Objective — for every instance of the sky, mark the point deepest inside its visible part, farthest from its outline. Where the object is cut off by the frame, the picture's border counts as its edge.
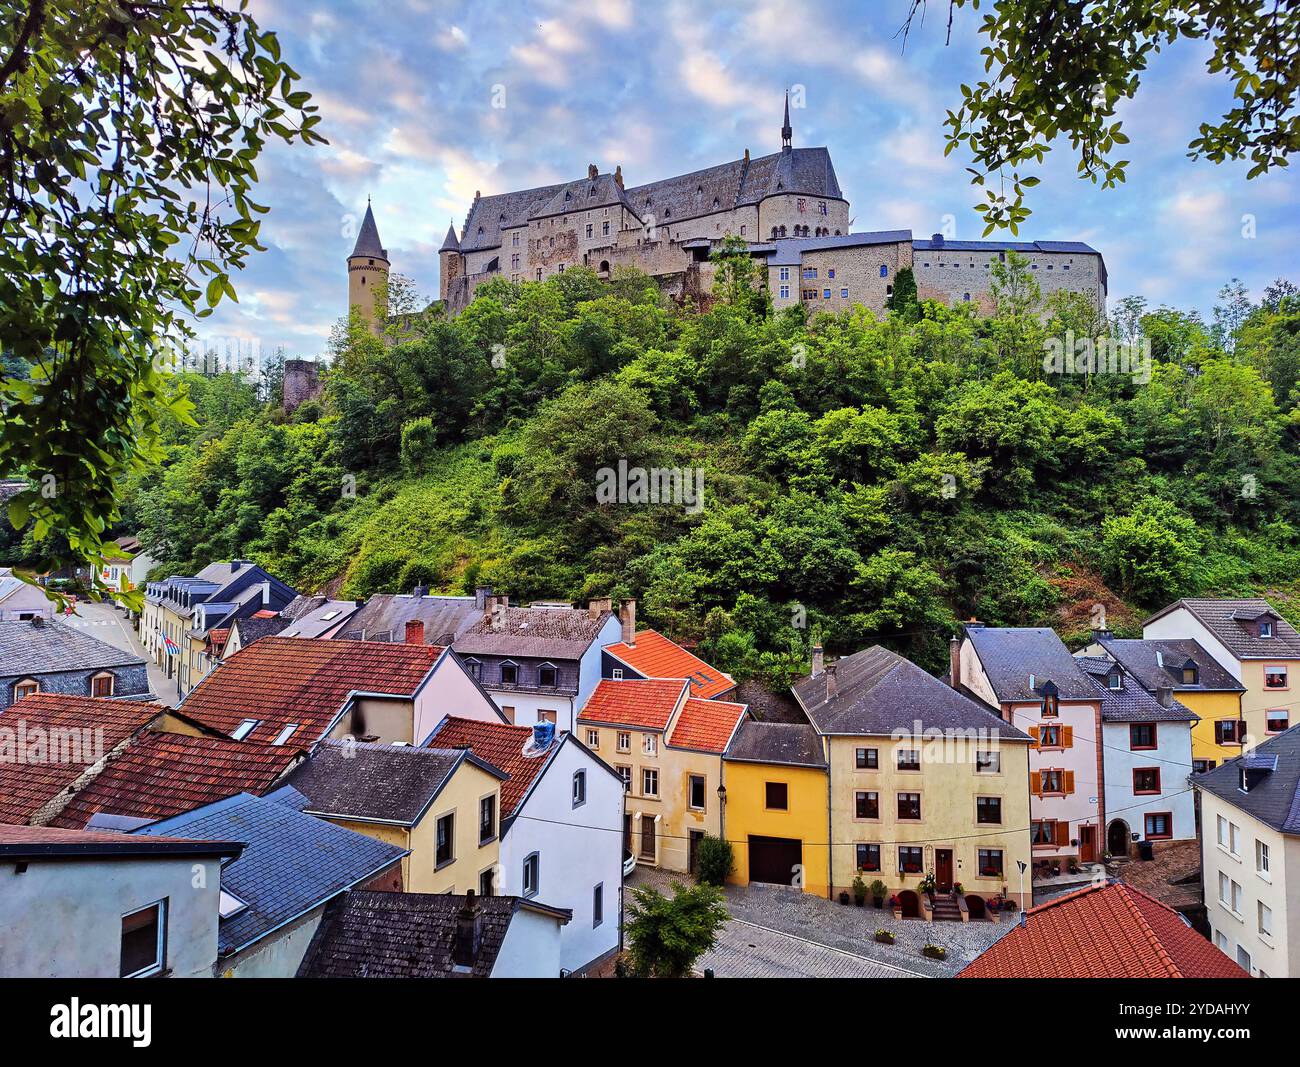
(427, 101)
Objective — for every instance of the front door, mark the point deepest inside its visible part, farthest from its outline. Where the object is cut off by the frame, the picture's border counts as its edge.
(696, 836)
(1087, 843)
(648, 838)
(943, 870)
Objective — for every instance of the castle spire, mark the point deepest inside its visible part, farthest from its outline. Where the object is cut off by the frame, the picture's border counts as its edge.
(450, 243)
(786, 132)
(368, 243)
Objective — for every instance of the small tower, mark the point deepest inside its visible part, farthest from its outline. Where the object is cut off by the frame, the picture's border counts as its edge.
(368, 273)
(448, 262)
(786, 131)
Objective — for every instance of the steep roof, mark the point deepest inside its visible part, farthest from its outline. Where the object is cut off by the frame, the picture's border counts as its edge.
(368, 243)
(539, 633)
(654, 656)
(1232, 622)
(880, 692)
(1108, 931)
(54, 646)
(1132, 703)
(643, 703)
(707, 725)
(501, 745)
(1158, 663)
(383, 783)
(291, 862)
(1011, 655)
(313, 616)
(1275, 799)
(407, 935)
(282, 680)
(42, 842)
(795, 744)
(160, 774)
(450, 242)
(385, 615)
(89, 729)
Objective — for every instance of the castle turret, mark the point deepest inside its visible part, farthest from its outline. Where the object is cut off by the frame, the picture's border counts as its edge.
(787, 132)
(368, 273)
(448, 261)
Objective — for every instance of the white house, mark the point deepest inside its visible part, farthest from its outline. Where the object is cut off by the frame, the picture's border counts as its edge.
(20, 601)
(561, 828)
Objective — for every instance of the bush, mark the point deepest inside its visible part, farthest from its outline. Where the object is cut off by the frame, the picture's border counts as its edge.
(714, 860)
(667, 935)
(419, 441)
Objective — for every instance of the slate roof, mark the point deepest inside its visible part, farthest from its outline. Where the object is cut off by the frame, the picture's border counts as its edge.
(282, 680)
(1009, 655)
(291, 862)
(316, 615)
(8, 583)
(406, 935)
(643, 703)
(655, 656)
(928, 244)
(27, 786)
(706, 725)
(794, 744)
(1140, 659)
(254, 628)
(788, 251)
(54, 646)
(375, 782)
(450, 243)
(1276, 799)
(880, 692)
(161, 774)
(540, 633)
(1109, 931)
(501, 745)
(368, 243)
(1132, 703)
(38, 842)
(1227, 620)
(385, 615)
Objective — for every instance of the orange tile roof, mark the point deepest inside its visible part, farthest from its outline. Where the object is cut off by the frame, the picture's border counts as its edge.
(502, 745)
(161, 774)
(655, 656)
(70, 728)
(1110, 931)
(707, 725)
(646, 703)
(282, 680)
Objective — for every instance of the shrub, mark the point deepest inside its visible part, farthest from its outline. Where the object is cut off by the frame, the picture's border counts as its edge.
(714, 860)
(666, 935)
(419, 441)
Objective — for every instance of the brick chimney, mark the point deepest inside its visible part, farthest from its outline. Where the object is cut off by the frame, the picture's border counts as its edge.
(481, 593)
(627, 616)
(832, 684)
(595, 607)
(818, 660)
(954, 662)
(1164, 695)
(414, 632)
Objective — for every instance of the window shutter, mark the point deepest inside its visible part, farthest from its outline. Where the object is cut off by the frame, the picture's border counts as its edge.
(1033, 732)
(1067, 736)
(1063, 832)
(1069, 781)
(1038, 784)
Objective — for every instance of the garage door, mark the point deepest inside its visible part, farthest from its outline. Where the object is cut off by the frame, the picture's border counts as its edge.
(774, 859)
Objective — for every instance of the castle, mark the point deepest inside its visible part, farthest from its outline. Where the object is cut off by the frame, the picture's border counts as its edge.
(787, 207)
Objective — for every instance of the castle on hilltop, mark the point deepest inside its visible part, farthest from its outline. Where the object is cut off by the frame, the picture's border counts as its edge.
(787, 207)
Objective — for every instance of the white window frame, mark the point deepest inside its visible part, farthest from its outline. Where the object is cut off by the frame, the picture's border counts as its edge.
(240, 732)
(647, 774)
(532, 861)
(579, 791)
(290, 728)
(160, 951)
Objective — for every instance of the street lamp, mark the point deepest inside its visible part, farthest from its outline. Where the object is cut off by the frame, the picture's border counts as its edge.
(1024, 915)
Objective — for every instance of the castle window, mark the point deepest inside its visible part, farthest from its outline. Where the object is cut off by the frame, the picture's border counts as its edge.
(966, 297)
(831, 273)
(785, 274)
(604, 229)
(884, 271)
(590, 229)
(480, 231)
(844, 293)
(826, 294)
(716, 204)
(837, 233)
(785, 292)
(539, 274)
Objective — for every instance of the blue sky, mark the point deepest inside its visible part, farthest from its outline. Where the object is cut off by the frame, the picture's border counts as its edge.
(407, 89)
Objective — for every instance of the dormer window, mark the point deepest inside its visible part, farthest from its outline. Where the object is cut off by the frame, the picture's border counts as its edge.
(475, 668)
(1191, 673)
(1115, 681)
(509, 674)
(1265, 628)
(547, 676)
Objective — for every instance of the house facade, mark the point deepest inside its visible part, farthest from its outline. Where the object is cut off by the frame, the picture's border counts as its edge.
(40, 655)
(20, 602)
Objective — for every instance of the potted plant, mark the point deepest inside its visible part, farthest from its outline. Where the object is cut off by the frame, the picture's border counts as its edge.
(927, 883)
(878, 891)
(893, 903)
(935, 952)
(885, 937)
(844, 897)
(859, 891)
(956, 888)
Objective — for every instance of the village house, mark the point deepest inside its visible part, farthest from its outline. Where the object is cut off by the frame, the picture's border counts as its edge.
(1253, 643)
(243, 632)
(20, 602)
(43, 655)
(561, 828)
(392, 617)
(131, 569)
(649, 654)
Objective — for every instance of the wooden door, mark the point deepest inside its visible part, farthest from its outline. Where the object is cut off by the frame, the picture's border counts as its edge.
(1087, 843)
(943, 870)
(648, 837)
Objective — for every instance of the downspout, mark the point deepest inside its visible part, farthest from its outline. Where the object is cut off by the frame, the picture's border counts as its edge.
(830, 835)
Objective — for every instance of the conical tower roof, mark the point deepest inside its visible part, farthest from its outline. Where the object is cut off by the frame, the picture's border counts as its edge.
(368, 239)
(450, 243)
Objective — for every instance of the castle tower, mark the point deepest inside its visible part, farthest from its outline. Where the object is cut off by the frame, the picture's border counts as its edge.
(368, 273)
(448, 262)
(787, 132)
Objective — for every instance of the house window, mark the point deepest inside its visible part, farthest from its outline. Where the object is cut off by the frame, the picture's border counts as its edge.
(144, 941)
(868, 857)
(785, 292)
(868, 759)
(695, 792)
(617, 674)
(485, 883)
(1189, 675)
(598, 905)
(910, 859)
(909, 759)
(1042, 832)
(27, 687)
(487, 819)
(1051, 706)
(1229, 731)
(579, 788)
(604, 229)
(532, 874)
(1261, 859)
(909, 805)
(1265, 920)
(784, 273)
(509, 674)
(286, 733)
(1235, 904)
(626, 774)
(1051, 781)
(1275, 676)
(1200, 766)
(546, 676)
(988, 810)
(590, 229)
(593, 739)
(1277, 721)
(445, 831)
(1265, 629)
(101, 685)
(867, 805)
(1158, 824)
(989, 862)
(988, 762)
(244, 729)
(474, 667)
(1142, 735)
(508, 712)
(1115, 681)
(649, 744)
(649, 782)
(546, 716)
(776, 796)
(624, 741)
(1146, 780)
(1049, 735)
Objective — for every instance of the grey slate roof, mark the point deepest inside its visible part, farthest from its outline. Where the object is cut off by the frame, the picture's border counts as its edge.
(930, 245)
(450, 243)
(291, 862)
(1275, 799)
(26, 649)
(369, 781)
(880, 692)
(368, 243)
(250, 629)
(546, 633)
(789, 250)
(406, 935)
(316, 616)
(1009, 655)
(776, 742)
(1132, 703)
(1139, 657)
(1229, 620)
(385, 615)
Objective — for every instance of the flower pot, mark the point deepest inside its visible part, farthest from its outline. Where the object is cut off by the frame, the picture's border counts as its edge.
(844, 898)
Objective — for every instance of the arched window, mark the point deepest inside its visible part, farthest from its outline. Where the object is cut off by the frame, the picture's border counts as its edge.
(604, 266)
(102, 684)
(27, 687)
(884, 271)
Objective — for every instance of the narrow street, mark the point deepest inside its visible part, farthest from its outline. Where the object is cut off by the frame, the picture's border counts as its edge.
(107, 623)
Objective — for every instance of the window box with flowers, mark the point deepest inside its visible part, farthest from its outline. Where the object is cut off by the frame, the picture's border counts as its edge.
(885, 937)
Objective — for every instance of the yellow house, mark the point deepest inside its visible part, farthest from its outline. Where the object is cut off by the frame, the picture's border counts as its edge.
(922, 781)
(442, 804)
(776, 805)
(667, 746)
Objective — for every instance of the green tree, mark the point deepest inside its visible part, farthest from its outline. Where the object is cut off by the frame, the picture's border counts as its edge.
(714, 860)
(1151, 552)
(666, 935)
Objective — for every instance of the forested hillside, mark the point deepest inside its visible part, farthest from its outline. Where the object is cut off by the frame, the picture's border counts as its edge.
(863, 480)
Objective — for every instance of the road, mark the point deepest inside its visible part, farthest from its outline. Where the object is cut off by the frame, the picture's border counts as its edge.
(745, 950)
(106, 623)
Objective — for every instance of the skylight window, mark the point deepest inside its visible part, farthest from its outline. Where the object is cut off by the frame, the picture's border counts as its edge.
(244, 729)
(230, 905)
(330, 615)
(285, 733)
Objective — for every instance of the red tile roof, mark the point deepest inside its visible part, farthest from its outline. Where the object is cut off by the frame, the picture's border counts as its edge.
(654, 656)
(707, 725)
(69, 729)
(1110, 931)
(502, 745)
(161, 774)
(646, 703)
(282, 680)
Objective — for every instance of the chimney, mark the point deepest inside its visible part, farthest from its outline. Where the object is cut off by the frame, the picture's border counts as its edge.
(1164, 695)
(832, 686)
(627, 616)
(464, 949)
(618, 175)
(592, 171)
(1102, 635)
(414, 632)
(818, 660)
(595, 607)
(936, 239)
(38, 621)
(420, 591)
(481, 593)
(954, 662)
(235, 564)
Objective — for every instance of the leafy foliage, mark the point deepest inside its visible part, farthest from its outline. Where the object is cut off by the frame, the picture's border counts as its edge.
(714, 860)
(667, 935)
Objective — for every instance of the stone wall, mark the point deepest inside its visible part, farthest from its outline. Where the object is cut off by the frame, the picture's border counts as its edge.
(301, 382)
(954, 276)
(128, 681)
